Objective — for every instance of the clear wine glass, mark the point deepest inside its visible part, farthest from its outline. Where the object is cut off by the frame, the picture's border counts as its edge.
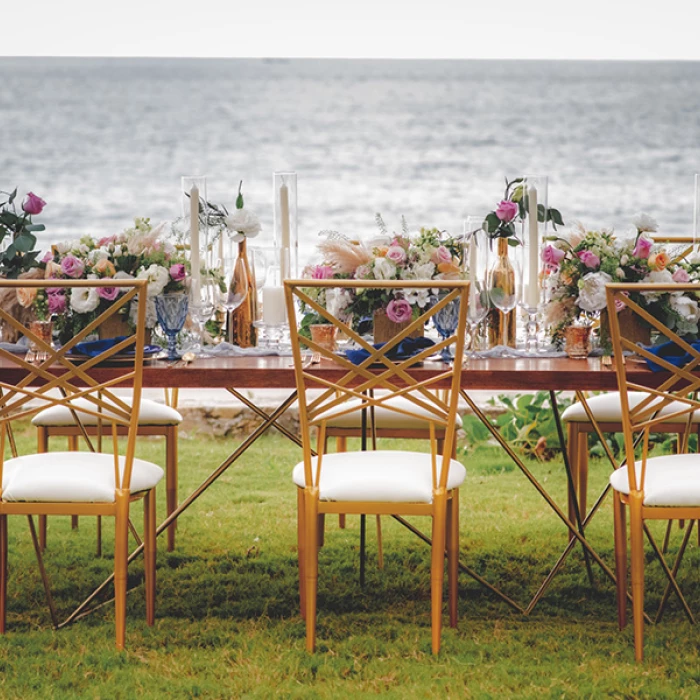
(202, 303)
(475, 265)
(503, 284)
(236, 292)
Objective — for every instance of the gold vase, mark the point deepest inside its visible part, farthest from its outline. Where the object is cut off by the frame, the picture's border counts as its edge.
(242, 331)
(498, 322)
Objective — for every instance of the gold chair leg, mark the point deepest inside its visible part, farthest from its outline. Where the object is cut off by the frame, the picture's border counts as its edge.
(453, 556)
(171, 481)
(637, 547)
(620, 523)
(149, 554)
(301, 550)
(3, 571)
(310, 567)
(341, 445)
(437, 569)
(572, 440)
(121, 552)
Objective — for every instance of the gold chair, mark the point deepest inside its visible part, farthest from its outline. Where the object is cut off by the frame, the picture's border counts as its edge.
(87, 482)
(658, 488)
(155, 419)
(378, 482)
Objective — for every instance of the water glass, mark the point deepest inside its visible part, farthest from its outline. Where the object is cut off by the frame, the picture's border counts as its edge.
(171, 310)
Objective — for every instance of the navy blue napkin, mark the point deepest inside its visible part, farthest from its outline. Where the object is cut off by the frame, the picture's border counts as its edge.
(672, 353)
(93, 348)
(400, 352)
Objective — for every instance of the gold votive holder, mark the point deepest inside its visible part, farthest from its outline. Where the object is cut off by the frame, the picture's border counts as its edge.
(577, 342)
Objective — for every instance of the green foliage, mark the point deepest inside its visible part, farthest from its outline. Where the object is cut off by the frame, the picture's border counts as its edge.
(19, 256)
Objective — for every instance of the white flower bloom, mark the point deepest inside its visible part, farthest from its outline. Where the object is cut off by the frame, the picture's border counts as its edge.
(644, 222)
(424, 271)
(656, 277)
(151, 315)
(591, 295)
(418, 297)
(384, 269)
(83, 300)
(243, 223)
(624, 260)
(687, 309)
(620, 273)
(98, 254)
(157, 277)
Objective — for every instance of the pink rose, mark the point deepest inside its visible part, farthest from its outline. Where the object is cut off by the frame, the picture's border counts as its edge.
(441, 255)
(399, 310)
(681, 276)
(321, 272)
(396, 254)
(506, 210)
(178, 272)
(552, 256)
(362, 272)
(56, 302)
(108, 293)
(590, 260)
(33, 204)
(72, 266)
(643, 247)
(48, 256)
(106, 240)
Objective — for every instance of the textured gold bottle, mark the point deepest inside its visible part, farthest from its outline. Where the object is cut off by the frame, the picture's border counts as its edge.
(497, 320)
(242, 331)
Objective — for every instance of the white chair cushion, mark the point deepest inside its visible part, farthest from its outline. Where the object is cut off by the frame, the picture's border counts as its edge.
(385, 417)
(151, 413)
(606, 409)
(380, 476)
(671, 480)
(71, 477)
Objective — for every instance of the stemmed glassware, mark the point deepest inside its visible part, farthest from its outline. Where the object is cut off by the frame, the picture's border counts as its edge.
(171, 310)
(201, 306)
(475, 262)
(236, 289)
(503, 285)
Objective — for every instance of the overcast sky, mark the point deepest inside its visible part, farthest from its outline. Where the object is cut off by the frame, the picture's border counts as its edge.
(574, 29)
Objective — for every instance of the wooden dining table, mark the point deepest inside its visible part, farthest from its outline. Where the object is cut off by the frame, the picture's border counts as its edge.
(522, 374)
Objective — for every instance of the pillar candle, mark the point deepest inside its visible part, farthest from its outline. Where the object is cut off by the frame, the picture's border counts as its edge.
(194, 239)
(532, 299)
(274, 309)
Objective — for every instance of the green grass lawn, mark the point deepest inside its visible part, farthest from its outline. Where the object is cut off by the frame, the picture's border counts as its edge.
(227, 622)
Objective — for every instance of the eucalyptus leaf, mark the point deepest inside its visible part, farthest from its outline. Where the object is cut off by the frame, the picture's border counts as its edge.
(12, 197)
(25, 243)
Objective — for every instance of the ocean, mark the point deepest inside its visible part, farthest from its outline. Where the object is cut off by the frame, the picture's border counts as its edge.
(106, 140)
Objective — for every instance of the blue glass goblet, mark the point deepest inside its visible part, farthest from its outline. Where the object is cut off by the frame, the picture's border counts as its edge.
(446, 321)
(171, 310)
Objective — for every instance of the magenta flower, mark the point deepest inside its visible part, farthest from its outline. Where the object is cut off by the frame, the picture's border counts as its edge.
(321, 272)
(108, 293)
(48, 257)
(399, 311)
(590, 260)
(72, 266)
(56, 302)
(178, 272)
(643, 248)
(552, 256)
(33, 204)
(681, 276)
(506, 210)
(396, 254)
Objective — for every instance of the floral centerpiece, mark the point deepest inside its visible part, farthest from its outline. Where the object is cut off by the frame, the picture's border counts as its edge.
(429, 255)
(19, 255)
(140, 252)
(582, 262)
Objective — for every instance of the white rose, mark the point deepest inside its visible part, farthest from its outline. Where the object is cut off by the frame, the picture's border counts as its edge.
(83, 300)
(686, 308)
(157, 277)
(591, 295)
(244, 224)
(418, 297)
(620, 273)
(656, 277)
(624, 260)
(424, 271)
(644, 222)
(151, 315)
(384, 269)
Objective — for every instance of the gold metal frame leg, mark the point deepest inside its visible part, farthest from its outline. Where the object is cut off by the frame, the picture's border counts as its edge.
(437, 568)
(620, 528)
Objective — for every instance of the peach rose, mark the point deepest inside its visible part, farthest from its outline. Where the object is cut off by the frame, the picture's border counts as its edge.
(53, 270)
(658, 261)
(105, 267)
(447, 268)
(26, 296)
(381, 251)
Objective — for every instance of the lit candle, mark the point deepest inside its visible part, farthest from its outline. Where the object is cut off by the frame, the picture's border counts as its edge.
(284, 223)
(274, 308)
(533, 285)
(194, 239)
